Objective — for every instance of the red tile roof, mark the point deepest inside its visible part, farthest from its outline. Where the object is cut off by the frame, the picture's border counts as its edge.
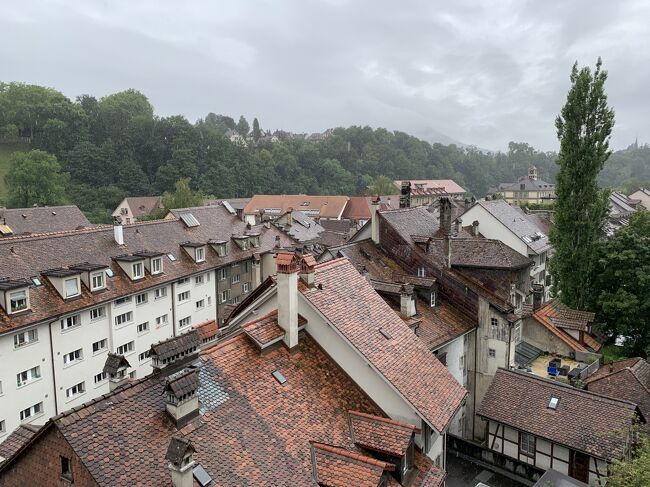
(583, 421)
(358, 208)
(207, 330)
(381, 434)
(324, 206)
(17, 439)
(265, 329)
(553, 310)
(143, 205)
(357, 312)
(337, 467)
(262, 428)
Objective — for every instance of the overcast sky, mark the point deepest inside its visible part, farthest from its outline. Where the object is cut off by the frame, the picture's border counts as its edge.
(480, 72)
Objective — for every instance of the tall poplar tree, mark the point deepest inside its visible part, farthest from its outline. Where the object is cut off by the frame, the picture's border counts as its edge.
(584, 128)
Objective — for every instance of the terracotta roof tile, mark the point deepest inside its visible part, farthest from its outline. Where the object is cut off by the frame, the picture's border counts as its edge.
(45, 219)
(554, 310)
(17, 439)
(352, 306)
(381, 434)
(324, 206)
(207, 330)
(584, 421)
(337, 467)
(144, 205)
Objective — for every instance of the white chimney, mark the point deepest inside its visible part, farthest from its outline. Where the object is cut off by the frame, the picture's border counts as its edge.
(475, 228)
(287, 278)
(407, 301)
(374, 222)
(118, 231)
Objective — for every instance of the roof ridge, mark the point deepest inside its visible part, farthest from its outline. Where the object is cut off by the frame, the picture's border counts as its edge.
(260, 318)
(384, 420)
(569, 388)
(351, 455)
(331, 263)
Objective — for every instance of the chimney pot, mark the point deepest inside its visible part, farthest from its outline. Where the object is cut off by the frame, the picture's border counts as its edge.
(287, 264)
(118, 231)
(475, 228)
(445, 215)
(407, 301)
(538, 296)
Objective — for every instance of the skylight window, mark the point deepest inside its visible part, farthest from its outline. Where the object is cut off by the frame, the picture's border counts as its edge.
(552, 404)
(385, 333)
(277, 375)
(37, 282)
(171, 257)
(109, 272)
(201, 476)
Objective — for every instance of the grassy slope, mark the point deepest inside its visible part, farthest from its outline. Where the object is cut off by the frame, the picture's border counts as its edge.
(6, 149)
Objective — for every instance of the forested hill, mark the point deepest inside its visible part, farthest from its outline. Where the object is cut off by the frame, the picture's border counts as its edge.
(116, 146)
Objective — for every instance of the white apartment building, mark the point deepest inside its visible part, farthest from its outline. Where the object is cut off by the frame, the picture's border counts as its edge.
(137, 285)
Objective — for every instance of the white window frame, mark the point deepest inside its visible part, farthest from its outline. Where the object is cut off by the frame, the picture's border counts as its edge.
(127, 317)
(222, 274)
(73, 357)
(162, 320)
(200, 304)
(101, 377)
(235, 278)
(199, 280)
(12, 300)
(94, 286)
(144, 356)
(31, 412)
(246, 287)
(183, 322)
(25, 338)
(432, 298)
(122, 301)
(422, 271)
(103, 346)
(156, 266)
(65, 287)
(182, 281)
(143, 328)
(65, 322)
(139, 300)
(199, 254)
(224, 296)
(99, 312)
(140, 270)
(126, 349)
(159, 293)
(28, 376)
(183, 297)
(75, 390)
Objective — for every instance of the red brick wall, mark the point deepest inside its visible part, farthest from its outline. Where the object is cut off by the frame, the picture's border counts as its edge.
(41, 465)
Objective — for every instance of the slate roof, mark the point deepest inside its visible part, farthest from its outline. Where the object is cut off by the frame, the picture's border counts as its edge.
(44, 219)
(24, 257)
(448, 185)
(143, 205)
(583, 421)
(185, 383)
(483, 253)
(170, 347)
(353, 308)
(240, 403)
(627, 379)
(114, 363)
(303, 228)
(518, 222)
(17, 439)
(338, 467)
(323, 206)
(529, 185)
(381, 434)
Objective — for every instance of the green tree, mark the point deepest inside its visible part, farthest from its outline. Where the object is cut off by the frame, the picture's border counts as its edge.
(584, 127)
(634, 472)
(621, 285)
(242, 127)
(382, 185)
(182, 197)
(35, 178)
(257, 132)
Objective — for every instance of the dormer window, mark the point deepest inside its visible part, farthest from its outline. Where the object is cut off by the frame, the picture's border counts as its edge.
(242, 241)
(221, 247)
(138, 270)
(200, 254)
(72, 287)
(156, 265)
(97, 281)
(17, 301)
(422, 272)
(254, 239)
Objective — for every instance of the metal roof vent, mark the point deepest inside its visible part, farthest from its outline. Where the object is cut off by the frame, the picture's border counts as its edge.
(552, 404)
(189, 220)
(277, 375)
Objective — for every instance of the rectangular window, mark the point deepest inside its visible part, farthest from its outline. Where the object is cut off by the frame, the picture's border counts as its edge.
(97, 281)
(224, 296)
(137, 270)
(526, 444)
(184, 322)
(234, 279)
(185, 280)
(433, 299)
(183, 297)
(222, 274)
(31, 411)
(200, 304)
(200, 254)
(75, 390)
(198, 280)
(3, 426)
(422, 272)
(144, 356)
(126, 348)
(492, 352)
(246, 267)
(100, 345)
(156, 265)
(73, 357)
(123, 300)
(97, 313)
(159, 293)
(70, 322)
(143, 327)
(100, 377)
(17, 301)
(124, 318)
(28, 376)
(209, 301)
(132, 374)
(66, 468)
(235, 300)
(141, 298)
(25, 338)
(161, 320)
(71, 287)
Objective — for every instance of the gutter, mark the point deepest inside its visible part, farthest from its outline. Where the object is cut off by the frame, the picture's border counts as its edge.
(56, 406)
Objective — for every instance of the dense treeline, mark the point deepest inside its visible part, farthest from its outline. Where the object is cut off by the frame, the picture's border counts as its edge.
(116, 146)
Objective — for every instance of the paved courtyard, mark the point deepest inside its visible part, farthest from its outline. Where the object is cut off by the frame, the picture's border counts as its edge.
(463, 473)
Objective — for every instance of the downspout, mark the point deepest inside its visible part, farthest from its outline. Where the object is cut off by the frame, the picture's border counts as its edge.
(475, 379)
(174, 309)
(509, 341)
(56, 406)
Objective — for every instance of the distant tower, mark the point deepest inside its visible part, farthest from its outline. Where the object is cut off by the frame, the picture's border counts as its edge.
(532, 173)
(636, 143)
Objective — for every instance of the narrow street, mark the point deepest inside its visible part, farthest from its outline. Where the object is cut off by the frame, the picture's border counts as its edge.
(463, 473)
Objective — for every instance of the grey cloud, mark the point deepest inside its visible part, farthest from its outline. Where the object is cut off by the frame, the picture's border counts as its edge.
(483, 73)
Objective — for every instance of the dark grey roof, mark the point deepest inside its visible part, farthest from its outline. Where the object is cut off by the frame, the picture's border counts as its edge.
(87, 267)
(147, 253)
(412, 221)
(8, 284)
(176, 345)
(514, 218)
(185, 383)
(114, 363)
(178, 448)
(303, 228)
(128, 258)
(60, 272)
(553, 478)
(529, 185)
(45, 219)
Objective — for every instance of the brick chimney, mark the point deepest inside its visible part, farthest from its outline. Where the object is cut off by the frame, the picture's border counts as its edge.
(445, 215)
(288, 265)
(538, 296)
(407, 301)
(374, 222)
(180, 455)
(181, 396)
(118, 232)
